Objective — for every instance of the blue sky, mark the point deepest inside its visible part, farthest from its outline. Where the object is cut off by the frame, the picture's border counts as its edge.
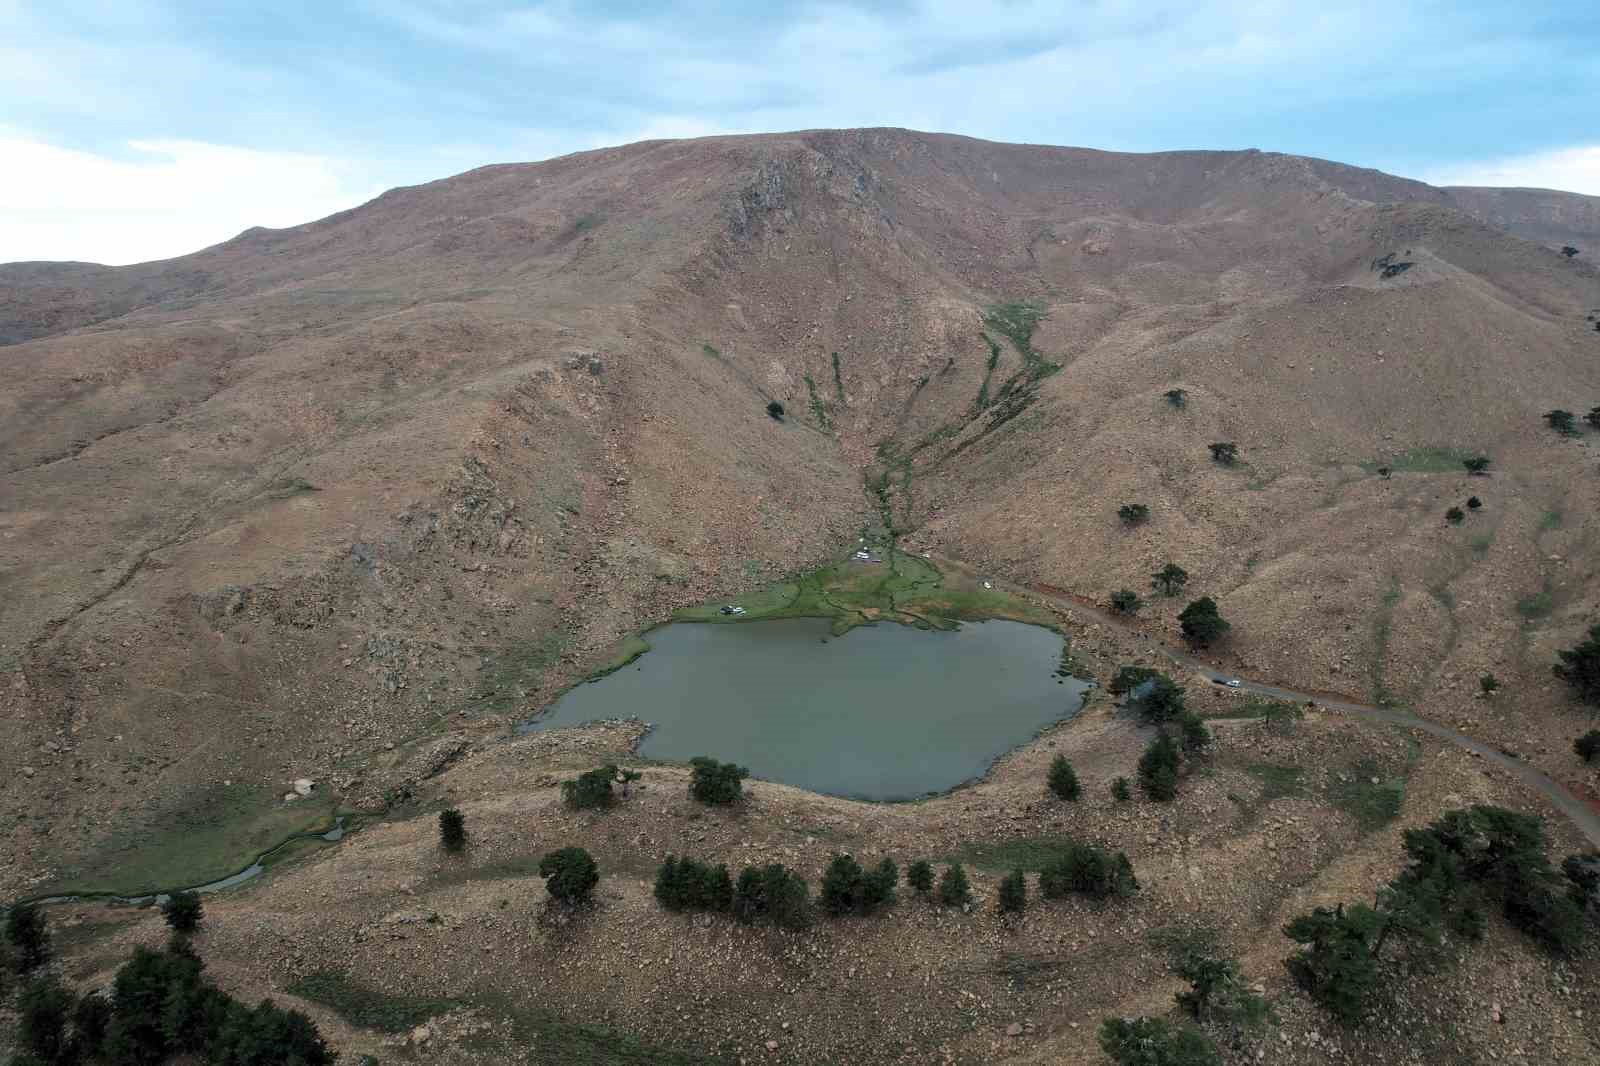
(139, 129)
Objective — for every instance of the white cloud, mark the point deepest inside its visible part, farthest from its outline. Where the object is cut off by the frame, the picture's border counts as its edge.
(163, 198)
(1574, 169)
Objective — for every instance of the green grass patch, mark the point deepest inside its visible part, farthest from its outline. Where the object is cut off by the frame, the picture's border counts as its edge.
(709, 350)
(1539, 605)
(1550, 520)
(819, 410)
(515, 670)
(1427, 460)
(902, 588)
(770, 602)
(460, 870)
(1382, 625)
(547, 1039)
(1258, 707)
(1480, 543)
(1277, 780)
(1177, 941)
(285, 487)
(1032, 854)
(624, 652)
(218, 832)
(367, 1007)
(988, 371)
(1016, 322)
(1367, 795)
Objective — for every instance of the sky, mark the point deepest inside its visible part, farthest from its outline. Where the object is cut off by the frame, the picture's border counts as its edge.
(133, 130)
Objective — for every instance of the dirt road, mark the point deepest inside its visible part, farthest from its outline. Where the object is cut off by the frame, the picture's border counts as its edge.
(1582, 814)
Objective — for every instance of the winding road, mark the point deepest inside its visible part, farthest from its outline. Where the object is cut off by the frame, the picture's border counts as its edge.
(1582, 814)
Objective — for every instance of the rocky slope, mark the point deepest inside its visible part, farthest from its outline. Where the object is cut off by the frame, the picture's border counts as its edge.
(272, 507)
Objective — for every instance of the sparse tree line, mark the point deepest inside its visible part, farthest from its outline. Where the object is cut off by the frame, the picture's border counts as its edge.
(160, 1006)
(1217, 997)
(1566, 423)
(1181, 738)
(777, 895)
(1201, 622)
(1459, 865)
(1579, 667)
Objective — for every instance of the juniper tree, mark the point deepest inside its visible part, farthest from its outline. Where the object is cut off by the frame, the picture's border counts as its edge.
(1156, 1042)
(1196, 737)
(1500, 854)
(1120, 790)
(1583, 878)
(1088, 870)
(183, 912)
(570, 875)
(772, 893)
(1225, 453)
(1335, 964)
(1125, 601)
(1587, 746)
(592, 788)
(1454, 516)
(954, 891)
(1561, 421)
(1158, 769)
(1128, 678)
(1169, 579)
(716, 782)
(1478, 464)
(1487, 684)
(43, 1007)
(1063, 780)
(1177, 398)
(1202, 623)
(1161, 700)
(877, 888)
(919, 875)
(1217, 991)
(1580, 667)
(716, 892)
(842, 886)
(91, 1018)
(1133, 513)
(28, 937)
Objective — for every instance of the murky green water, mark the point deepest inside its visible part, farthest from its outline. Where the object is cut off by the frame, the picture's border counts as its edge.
(885, 712)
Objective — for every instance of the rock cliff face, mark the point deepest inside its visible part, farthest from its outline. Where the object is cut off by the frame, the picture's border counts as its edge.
(266, 507)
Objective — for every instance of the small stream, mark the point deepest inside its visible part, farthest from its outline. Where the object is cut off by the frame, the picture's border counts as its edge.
(254, 870)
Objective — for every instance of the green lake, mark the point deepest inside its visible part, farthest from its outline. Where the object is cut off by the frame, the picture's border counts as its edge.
(884, 712)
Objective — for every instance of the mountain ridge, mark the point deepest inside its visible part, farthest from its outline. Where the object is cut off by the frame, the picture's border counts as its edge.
(346, 501)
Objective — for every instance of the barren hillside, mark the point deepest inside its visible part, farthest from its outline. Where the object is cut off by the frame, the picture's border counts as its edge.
(270, 509)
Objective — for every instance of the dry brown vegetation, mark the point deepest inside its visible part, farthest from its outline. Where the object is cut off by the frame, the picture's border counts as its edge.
(341, 501)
